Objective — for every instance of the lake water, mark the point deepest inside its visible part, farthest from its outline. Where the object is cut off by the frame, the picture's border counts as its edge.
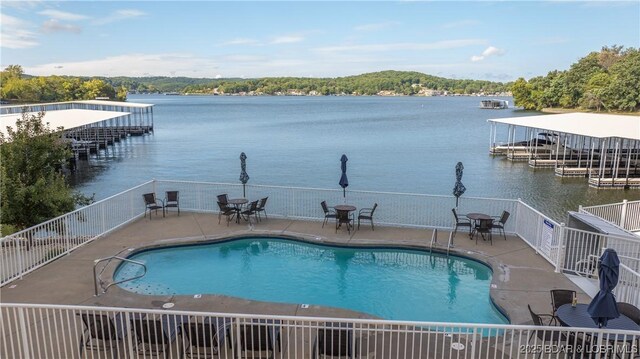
(398, 144)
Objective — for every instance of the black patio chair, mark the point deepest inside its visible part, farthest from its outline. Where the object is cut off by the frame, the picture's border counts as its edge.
(545, 335)
(484, 228)
(151, 338)
(460, 222)
(250, 210)
(171, 200)
(560, 297)
(225, 210)
(99, 332)
(334, 340)
(152, 203)
(344, 217)
(367, 214)
(500, 223)
(630, 311)
(223, 198)
(200, 339)
(258, 336)
(328, 213)
(261, 208)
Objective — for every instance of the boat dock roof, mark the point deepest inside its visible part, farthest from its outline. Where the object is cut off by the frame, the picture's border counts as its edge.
(67, 119)
(583, 124)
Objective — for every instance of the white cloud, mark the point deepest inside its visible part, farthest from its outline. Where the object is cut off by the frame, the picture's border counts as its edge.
(438, 45)
(62, 15)
(489, 51)
(375, 26)
(119, 15)
(287, 39)
(53, 25)
(16, 34)
(170, 64)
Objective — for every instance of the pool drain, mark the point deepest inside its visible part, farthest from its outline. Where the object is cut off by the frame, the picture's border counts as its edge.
(168, 305)
(457, 346)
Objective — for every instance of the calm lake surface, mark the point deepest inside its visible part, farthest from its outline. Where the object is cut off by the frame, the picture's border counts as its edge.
(397, 144)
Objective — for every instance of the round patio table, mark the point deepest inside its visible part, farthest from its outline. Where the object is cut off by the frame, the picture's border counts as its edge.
(579, 317)
(237, 203)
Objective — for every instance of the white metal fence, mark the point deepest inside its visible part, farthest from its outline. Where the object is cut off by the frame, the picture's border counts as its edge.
(626, 214)
(628, 288)
(29, 249)
(55, 331)
(566, 249)
(24, 251)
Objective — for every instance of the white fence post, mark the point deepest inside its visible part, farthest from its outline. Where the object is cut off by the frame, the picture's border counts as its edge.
(560, 251)
(24, 334)
(623, 214)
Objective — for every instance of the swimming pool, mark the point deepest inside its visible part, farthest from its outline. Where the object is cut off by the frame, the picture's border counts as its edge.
(390, 283)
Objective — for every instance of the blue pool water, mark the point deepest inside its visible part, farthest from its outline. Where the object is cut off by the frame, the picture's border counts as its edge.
(389, 283)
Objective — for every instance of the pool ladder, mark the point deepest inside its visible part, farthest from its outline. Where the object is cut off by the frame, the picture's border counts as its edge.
(434, 241)
(98, 283)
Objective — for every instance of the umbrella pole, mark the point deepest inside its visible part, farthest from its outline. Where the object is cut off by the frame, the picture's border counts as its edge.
(244, 193)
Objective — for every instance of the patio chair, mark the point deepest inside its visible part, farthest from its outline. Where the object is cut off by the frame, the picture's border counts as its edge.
(545, 335)
(223, 198)
(460, 222)
(344, 217)
(152, 203)
(560, 297)
(171, 200)
(260, 336)
(150, 336)
(334, 340)
(500, 223)
(226, 211)
(630, 311)
(250, 210)
(99, 332)
(367, 214)
(484, 227)
(328, 213)
(261, 207)
(200, 339)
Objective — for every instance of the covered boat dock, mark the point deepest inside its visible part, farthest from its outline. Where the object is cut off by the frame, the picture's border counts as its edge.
(88, 126)
(601, 147)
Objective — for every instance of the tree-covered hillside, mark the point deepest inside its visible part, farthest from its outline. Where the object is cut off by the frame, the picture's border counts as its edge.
(16, 87)
(384, 82)
(608, 80)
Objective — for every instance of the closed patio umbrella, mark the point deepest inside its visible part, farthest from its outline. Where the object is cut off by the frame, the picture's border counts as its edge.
(344, 182)
(244, 177)
(459, 188)
(603, 306)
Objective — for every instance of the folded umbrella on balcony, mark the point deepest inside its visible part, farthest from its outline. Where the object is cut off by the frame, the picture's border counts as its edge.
(459, 188)
(603, 306)
(344, 182)
(244, 177)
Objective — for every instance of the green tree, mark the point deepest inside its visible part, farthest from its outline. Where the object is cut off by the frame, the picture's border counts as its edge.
(32, 187)
(522, 94)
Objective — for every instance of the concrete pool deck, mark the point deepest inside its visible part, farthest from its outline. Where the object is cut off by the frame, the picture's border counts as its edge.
(520, 276)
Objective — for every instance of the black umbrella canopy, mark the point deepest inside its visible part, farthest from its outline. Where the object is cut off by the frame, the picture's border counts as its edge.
(344, 181)
(459, 188)
(244, 177)
(603, 306)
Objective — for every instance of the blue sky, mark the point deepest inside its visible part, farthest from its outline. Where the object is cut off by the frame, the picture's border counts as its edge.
(498, 41)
